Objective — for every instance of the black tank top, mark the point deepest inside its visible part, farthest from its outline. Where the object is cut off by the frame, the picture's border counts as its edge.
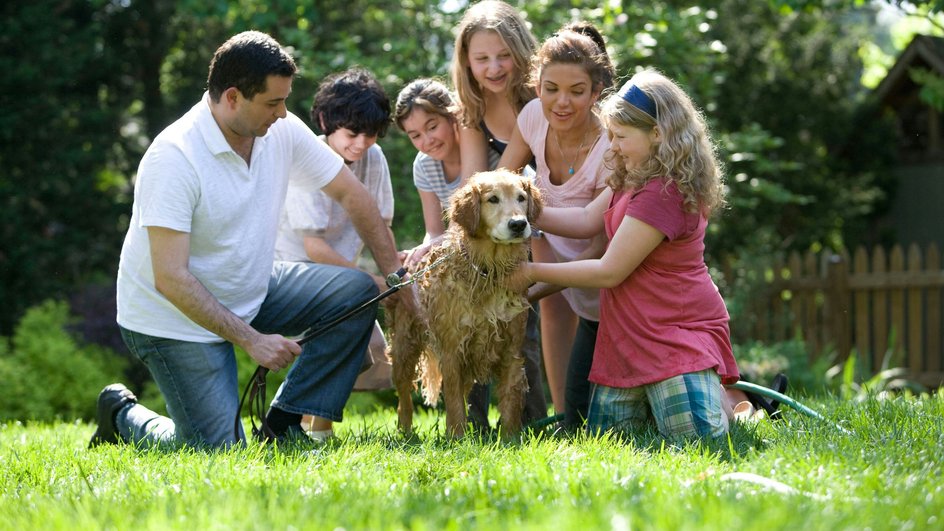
(499, 146)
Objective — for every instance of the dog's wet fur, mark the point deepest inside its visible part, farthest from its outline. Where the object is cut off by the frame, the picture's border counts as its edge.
(470, 327)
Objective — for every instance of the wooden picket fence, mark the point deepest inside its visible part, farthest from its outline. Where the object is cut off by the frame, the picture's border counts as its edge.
(876, 304)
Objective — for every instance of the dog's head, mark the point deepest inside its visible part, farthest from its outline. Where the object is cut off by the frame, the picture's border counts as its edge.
(499, 205)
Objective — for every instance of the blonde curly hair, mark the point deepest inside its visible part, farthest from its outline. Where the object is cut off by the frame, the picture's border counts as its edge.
(685, 154)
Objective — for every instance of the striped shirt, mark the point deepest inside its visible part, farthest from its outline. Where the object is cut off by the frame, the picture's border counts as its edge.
(430, 176)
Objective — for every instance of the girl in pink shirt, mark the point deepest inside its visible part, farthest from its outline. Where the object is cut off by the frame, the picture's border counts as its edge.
(663, 348)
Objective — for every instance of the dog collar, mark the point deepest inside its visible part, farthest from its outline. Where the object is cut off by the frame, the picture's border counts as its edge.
(482, 272)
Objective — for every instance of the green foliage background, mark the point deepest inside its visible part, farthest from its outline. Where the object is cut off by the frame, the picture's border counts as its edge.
(88, 83)
(47, 373)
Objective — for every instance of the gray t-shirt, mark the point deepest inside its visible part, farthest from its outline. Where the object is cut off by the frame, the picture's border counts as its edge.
(314, 213)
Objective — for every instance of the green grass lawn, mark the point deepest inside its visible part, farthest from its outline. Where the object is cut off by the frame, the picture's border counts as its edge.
(885, 474)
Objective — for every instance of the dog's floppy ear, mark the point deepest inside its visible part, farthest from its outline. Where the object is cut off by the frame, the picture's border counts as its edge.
(535, 200)
(464, 208)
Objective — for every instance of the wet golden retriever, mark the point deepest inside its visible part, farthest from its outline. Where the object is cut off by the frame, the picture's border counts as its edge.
(470, 327)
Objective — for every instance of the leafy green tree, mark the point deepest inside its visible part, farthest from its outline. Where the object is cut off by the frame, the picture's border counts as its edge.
(796, 76)
(88, 88)
(62, 101)
(925, 16)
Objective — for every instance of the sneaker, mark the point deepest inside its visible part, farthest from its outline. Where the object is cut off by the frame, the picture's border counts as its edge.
(110, 401)
(320, 436)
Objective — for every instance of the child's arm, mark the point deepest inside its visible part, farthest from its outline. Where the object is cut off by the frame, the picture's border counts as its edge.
(433, 219)
(517, 152)
(631, 244)
(320, 252)
(542, 289)
(432, 214)
(474, 149)
(576, 222)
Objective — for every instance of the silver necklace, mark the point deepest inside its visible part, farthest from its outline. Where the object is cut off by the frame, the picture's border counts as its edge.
(570, 169)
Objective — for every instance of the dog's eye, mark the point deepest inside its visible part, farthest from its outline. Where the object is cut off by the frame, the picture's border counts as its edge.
(522, 198)
(493, 199)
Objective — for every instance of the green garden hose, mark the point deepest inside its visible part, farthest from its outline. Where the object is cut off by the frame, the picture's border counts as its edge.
(742, 386)
(749, 387)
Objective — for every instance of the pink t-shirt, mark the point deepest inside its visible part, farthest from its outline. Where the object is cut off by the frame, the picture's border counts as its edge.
(578, 191)
(667, 318)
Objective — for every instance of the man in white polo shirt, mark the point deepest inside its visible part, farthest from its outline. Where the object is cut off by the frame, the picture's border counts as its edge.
(197, 276)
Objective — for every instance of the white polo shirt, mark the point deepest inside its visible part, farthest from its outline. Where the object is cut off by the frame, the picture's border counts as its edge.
(191, 180)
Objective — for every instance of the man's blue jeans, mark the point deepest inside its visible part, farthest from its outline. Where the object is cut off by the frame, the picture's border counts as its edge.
(198, 380)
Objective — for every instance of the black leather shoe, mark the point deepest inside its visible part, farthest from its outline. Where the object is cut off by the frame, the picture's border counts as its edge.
(293, 437)
(110, 401)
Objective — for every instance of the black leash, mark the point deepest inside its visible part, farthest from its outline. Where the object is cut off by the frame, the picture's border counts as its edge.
(256, 387)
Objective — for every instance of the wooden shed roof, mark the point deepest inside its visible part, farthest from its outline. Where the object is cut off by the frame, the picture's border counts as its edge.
(924, 51)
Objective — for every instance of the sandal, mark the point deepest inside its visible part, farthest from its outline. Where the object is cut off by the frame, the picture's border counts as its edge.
(772, 407)
(778, 384)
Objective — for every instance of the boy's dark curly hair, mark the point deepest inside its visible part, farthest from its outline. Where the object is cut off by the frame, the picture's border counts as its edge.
(354, 100)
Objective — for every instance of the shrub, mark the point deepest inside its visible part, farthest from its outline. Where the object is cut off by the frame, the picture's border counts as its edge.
(48, 374)
(853, 379)
(760, 362)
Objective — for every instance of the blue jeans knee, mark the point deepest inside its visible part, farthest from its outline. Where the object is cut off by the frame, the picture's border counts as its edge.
(305, 296)
(199, 385)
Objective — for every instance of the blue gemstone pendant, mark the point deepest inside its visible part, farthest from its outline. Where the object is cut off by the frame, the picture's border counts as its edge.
(571, 170)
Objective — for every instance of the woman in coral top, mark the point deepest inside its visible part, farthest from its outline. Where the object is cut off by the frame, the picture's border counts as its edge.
(561, 132)
(663, 348)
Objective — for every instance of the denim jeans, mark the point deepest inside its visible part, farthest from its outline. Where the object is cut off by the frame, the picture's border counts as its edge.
(198, 380)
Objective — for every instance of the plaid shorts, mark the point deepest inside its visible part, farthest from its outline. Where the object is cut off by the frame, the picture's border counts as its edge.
(686, 405)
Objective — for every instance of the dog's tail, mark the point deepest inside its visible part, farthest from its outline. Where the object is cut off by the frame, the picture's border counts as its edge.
(430, 378)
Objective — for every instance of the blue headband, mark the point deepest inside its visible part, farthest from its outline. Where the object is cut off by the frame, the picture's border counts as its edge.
(637, 98)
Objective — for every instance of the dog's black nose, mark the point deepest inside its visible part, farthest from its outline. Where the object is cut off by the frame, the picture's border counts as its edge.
(517, 225)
